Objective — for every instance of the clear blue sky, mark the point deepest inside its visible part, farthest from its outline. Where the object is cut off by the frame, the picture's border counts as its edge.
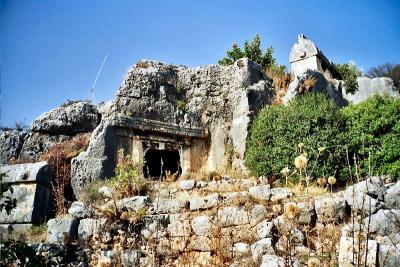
(51, 49)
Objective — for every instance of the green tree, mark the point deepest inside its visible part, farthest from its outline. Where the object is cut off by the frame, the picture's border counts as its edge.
(252, 51)
(374, 135)
(315, 121)
(348, 72)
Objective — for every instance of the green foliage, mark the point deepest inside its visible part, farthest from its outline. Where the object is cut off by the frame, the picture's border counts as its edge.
(252, 51)
(314, 120)
(348, 72)
(128, 180)
(17, 253)
(181, 104)
(374, 134)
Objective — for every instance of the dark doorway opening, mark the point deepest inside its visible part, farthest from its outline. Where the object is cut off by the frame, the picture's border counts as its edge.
(170, 163)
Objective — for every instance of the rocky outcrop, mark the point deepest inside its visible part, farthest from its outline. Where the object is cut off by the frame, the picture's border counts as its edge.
(213, 103)
(35, 144)
(31, 184)
(69, 119)
(11, 142)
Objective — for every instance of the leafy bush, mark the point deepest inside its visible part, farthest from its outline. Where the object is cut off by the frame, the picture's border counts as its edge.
(374, 134)
(348, 72)
(313, 120)
(128, 180)
(252, 51)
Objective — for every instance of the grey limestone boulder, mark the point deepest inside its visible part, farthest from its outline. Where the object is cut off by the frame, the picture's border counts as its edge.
(11, 142)
(203, 226)
(31, 184)
(392, 197)
(60, 228)
(384, 222)
(80, 210)
(262, 192)
(206, 202)
(97, 162)
(68, 119)
(232, 216)
(274, 261)
(36, 144)
(330, 209)
(135, 203)
(261, 247)
(88, 227)
(161, 205)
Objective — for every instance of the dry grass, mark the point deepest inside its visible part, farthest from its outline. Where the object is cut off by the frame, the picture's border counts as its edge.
(313, 190)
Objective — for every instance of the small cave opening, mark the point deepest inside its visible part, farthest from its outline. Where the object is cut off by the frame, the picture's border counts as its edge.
(170, 163)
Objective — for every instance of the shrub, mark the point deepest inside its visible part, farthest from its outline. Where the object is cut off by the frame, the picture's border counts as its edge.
(128, 180)
(374, 134)
(313, 120)
(348, 72)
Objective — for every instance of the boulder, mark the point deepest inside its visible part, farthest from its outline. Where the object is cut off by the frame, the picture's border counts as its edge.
(231, 216)
(36, 144)
(389, 255)
(260, 248)
(31, 185)
(278, 194)
(203, 226)
(187, 184)
(262, 192)
(201, 243)
(265, 229)
(97, 162)
(161, 205)
(179, 228)
(135, 203)
(11, 142)
(392, 197)
(348, 250)
(307, 213)
(201, 203)
(274, 261)
(330, 209)
(364, 196)
(80, 210)
(59, 229)
(68, 119)
(384, 222)
(88, 227)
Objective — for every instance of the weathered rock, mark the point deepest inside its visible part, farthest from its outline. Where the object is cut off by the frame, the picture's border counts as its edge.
(36, 144)
(60, 228)
(80, 210)
(262, 192)
(180, 228)
(348, 252)
(105, 191)
(307, 212)
(261, 247)
(389, 255)
(231, 216)
(264, 229)
(329, 209)
(135, 203)
(31, 184)
(257, 214)
(384, 222)
(187, 184)
(201, 243)
(392, 197)
(169, 205)
(7, 230)
(131, 257)
(274, 261)
(278, 194)
(97, 162)
(203, 226)
(364, 196)
(88, 227)
(241, 248)
(11, 142)
(207, 202)
(368, 87)
(68, 119)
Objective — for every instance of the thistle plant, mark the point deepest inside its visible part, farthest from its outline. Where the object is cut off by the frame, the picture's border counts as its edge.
(331, 181)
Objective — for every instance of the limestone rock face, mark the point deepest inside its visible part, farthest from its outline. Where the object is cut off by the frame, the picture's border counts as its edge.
(37, 143)
(68, 119)
(214, 102)
(314, 81)
(60, 228)
(97, 161)
(10, 145)
(31, 184)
